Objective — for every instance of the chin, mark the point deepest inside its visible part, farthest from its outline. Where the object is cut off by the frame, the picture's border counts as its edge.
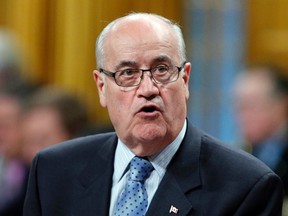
(150, 132)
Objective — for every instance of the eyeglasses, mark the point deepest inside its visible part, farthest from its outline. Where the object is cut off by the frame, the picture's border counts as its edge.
(161, 74)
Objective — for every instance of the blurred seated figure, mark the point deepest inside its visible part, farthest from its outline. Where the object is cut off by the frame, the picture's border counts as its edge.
(50, 117)
(14, 89)
(13, 174)
(12, 74)
(261, 101)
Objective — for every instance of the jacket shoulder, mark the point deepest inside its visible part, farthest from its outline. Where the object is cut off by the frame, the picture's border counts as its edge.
(82, 147)
(234, 163)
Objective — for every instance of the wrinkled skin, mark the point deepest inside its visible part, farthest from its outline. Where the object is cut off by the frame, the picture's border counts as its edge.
(144, 44)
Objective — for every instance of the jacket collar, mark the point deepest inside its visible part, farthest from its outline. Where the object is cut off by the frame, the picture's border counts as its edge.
(95, 181)
(181, 178)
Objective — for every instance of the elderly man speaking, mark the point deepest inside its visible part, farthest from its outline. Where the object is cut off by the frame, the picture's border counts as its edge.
(156, 163)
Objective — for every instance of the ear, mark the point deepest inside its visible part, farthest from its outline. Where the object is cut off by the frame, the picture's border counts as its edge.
(185, 77)
(100, 83)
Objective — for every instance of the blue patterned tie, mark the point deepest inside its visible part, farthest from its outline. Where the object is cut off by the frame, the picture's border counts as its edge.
(133, 200)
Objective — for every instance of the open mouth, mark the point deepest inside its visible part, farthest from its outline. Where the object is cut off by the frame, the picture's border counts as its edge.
(149, 109)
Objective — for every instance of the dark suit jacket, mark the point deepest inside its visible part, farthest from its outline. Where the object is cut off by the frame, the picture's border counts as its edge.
(281, 168)
(203, 178)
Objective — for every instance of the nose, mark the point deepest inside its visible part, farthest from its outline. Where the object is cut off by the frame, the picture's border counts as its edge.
(147, 88)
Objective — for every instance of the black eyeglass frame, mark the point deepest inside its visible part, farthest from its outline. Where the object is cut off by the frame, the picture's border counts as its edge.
(113, 74)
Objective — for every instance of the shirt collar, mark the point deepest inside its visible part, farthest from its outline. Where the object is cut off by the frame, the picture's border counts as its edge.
(160, 161)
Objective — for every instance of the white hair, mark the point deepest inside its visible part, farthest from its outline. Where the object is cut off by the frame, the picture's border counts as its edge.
(100, 55)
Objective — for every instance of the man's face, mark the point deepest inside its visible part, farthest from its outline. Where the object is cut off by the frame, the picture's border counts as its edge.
(41, 127)
(260, 114)
(147, 117)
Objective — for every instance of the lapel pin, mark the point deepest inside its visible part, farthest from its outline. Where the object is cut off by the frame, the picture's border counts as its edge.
(173, 209)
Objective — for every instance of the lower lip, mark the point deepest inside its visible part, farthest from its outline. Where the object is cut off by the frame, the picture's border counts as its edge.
(148, 114)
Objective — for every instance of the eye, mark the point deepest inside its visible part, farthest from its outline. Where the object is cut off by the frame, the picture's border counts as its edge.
(161, 69)
(127, 72)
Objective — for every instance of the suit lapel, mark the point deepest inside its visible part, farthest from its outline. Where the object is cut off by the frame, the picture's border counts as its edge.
(95, 182)
(182, 176)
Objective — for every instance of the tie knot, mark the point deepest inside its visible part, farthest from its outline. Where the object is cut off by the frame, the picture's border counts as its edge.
(140, 169)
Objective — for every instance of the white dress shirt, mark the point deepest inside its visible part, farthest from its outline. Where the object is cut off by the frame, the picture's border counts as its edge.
(123, 156)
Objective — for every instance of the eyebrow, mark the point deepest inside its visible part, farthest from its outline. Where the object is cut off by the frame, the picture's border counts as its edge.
(161, 58)
(125, 64)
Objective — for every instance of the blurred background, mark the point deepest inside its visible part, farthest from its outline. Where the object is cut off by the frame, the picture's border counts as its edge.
(56, 40)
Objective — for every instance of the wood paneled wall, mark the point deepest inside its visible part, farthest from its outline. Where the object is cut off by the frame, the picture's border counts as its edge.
(58, 38)
(267, 31)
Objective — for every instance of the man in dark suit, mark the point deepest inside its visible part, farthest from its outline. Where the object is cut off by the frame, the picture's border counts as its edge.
(143, 81)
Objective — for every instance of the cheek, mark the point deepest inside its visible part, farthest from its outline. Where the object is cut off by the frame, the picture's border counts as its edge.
(176, 102)
(186, 89)
(118, 106)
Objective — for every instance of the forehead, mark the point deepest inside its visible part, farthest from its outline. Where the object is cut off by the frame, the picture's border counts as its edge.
(136, 39)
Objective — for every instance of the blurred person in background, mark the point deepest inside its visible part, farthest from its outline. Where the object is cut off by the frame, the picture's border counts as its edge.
(261, 102)
(12, 170)
(12, 73)
(14, 89)
(50, 117)
(47, 117)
